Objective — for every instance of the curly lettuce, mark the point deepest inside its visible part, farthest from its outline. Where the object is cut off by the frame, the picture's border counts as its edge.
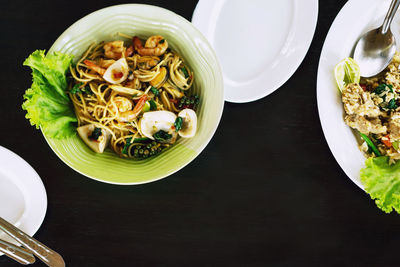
(46, 102)
(381, 181)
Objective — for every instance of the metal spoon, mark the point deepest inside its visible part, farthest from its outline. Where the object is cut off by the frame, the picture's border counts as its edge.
(375, 49)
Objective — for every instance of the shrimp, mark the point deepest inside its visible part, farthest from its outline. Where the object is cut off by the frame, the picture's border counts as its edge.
(129, 51)
(130, 115)
(155, 46)
(123, 104)
(93, 66)
(114, 49)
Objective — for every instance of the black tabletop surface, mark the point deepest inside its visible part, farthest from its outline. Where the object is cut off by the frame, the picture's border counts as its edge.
(266, 191)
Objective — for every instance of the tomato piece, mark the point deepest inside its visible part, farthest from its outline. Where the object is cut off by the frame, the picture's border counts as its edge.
(118, 75)
(386, 141)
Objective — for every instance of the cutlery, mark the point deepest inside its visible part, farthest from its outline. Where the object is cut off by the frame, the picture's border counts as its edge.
(19, 254)
(45, 254)
(375, 49)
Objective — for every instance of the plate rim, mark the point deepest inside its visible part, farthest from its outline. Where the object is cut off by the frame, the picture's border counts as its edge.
(40, 192)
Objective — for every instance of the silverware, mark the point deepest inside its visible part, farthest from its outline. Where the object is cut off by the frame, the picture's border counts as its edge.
(19, 254)
(375, 49)
(45, 254)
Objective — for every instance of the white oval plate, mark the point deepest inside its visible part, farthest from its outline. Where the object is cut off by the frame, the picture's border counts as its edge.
(23, 200)
(259, 43)
(344, 32)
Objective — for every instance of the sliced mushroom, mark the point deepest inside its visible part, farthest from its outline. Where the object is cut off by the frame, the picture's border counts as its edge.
(98, 146)
(117, 72)
(189, 124)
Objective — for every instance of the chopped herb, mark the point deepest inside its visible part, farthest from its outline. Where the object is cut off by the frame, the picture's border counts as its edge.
(185, 72)
(162, 136)
(383, 87)
(140, 140)
(126, 146)
(154, 91)
(162, 41)
(392, 104)
(76, 88)
(153, 105)
(178, 123)
(95, 134)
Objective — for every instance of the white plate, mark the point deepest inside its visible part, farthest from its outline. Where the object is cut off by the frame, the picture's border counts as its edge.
(347, 27)
(23, 200)
(259, 43)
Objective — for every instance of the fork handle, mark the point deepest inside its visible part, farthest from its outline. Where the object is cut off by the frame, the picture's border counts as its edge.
(19, 254)
(45, 254)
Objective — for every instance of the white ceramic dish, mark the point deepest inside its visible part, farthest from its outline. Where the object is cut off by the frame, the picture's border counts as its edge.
(23, 199)
(259, 44)
(344, 32)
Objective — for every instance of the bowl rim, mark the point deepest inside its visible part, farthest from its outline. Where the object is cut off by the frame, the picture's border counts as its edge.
(217, 71)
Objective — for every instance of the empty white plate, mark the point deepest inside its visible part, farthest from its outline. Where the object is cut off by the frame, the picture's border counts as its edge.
(259, 43)
(23, 200)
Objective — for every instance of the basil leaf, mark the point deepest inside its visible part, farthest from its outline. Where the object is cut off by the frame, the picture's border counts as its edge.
(162, 136)
(76, 88)
(154, 91)
(153, 105)
(185, 72)
(178, 123)
(392, 104)
(95, 134)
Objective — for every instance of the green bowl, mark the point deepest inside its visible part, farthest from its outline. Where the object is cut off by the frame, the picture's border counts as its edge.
(183, 37)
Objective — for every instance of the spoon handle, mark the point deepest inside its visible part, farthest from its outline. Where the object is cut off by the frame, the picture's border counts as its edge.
(394, 5)
(45, 254)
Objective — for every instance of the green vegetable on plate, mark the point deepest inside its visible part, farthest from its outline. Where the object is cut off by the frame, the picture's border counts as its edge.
(178, 123)
(381, 181)
(371, 145)
(154, 91)
(162, 136)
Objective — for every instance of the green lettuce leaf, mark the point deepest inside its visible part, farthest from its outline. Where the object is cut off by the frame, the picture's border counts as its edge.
(382, 182)
(46, 102)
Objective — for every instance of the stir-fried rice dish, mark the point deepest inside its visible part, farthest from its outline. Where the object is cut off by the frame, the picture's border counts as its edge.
(372, 107)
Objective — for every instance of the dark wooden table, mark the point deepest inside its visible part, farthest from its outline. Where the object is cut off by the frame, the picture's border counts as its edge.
(266, 191)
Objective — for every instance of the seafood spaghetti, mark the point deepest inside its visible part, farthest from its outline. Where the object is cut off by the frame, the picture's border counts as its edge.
(134, 98)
